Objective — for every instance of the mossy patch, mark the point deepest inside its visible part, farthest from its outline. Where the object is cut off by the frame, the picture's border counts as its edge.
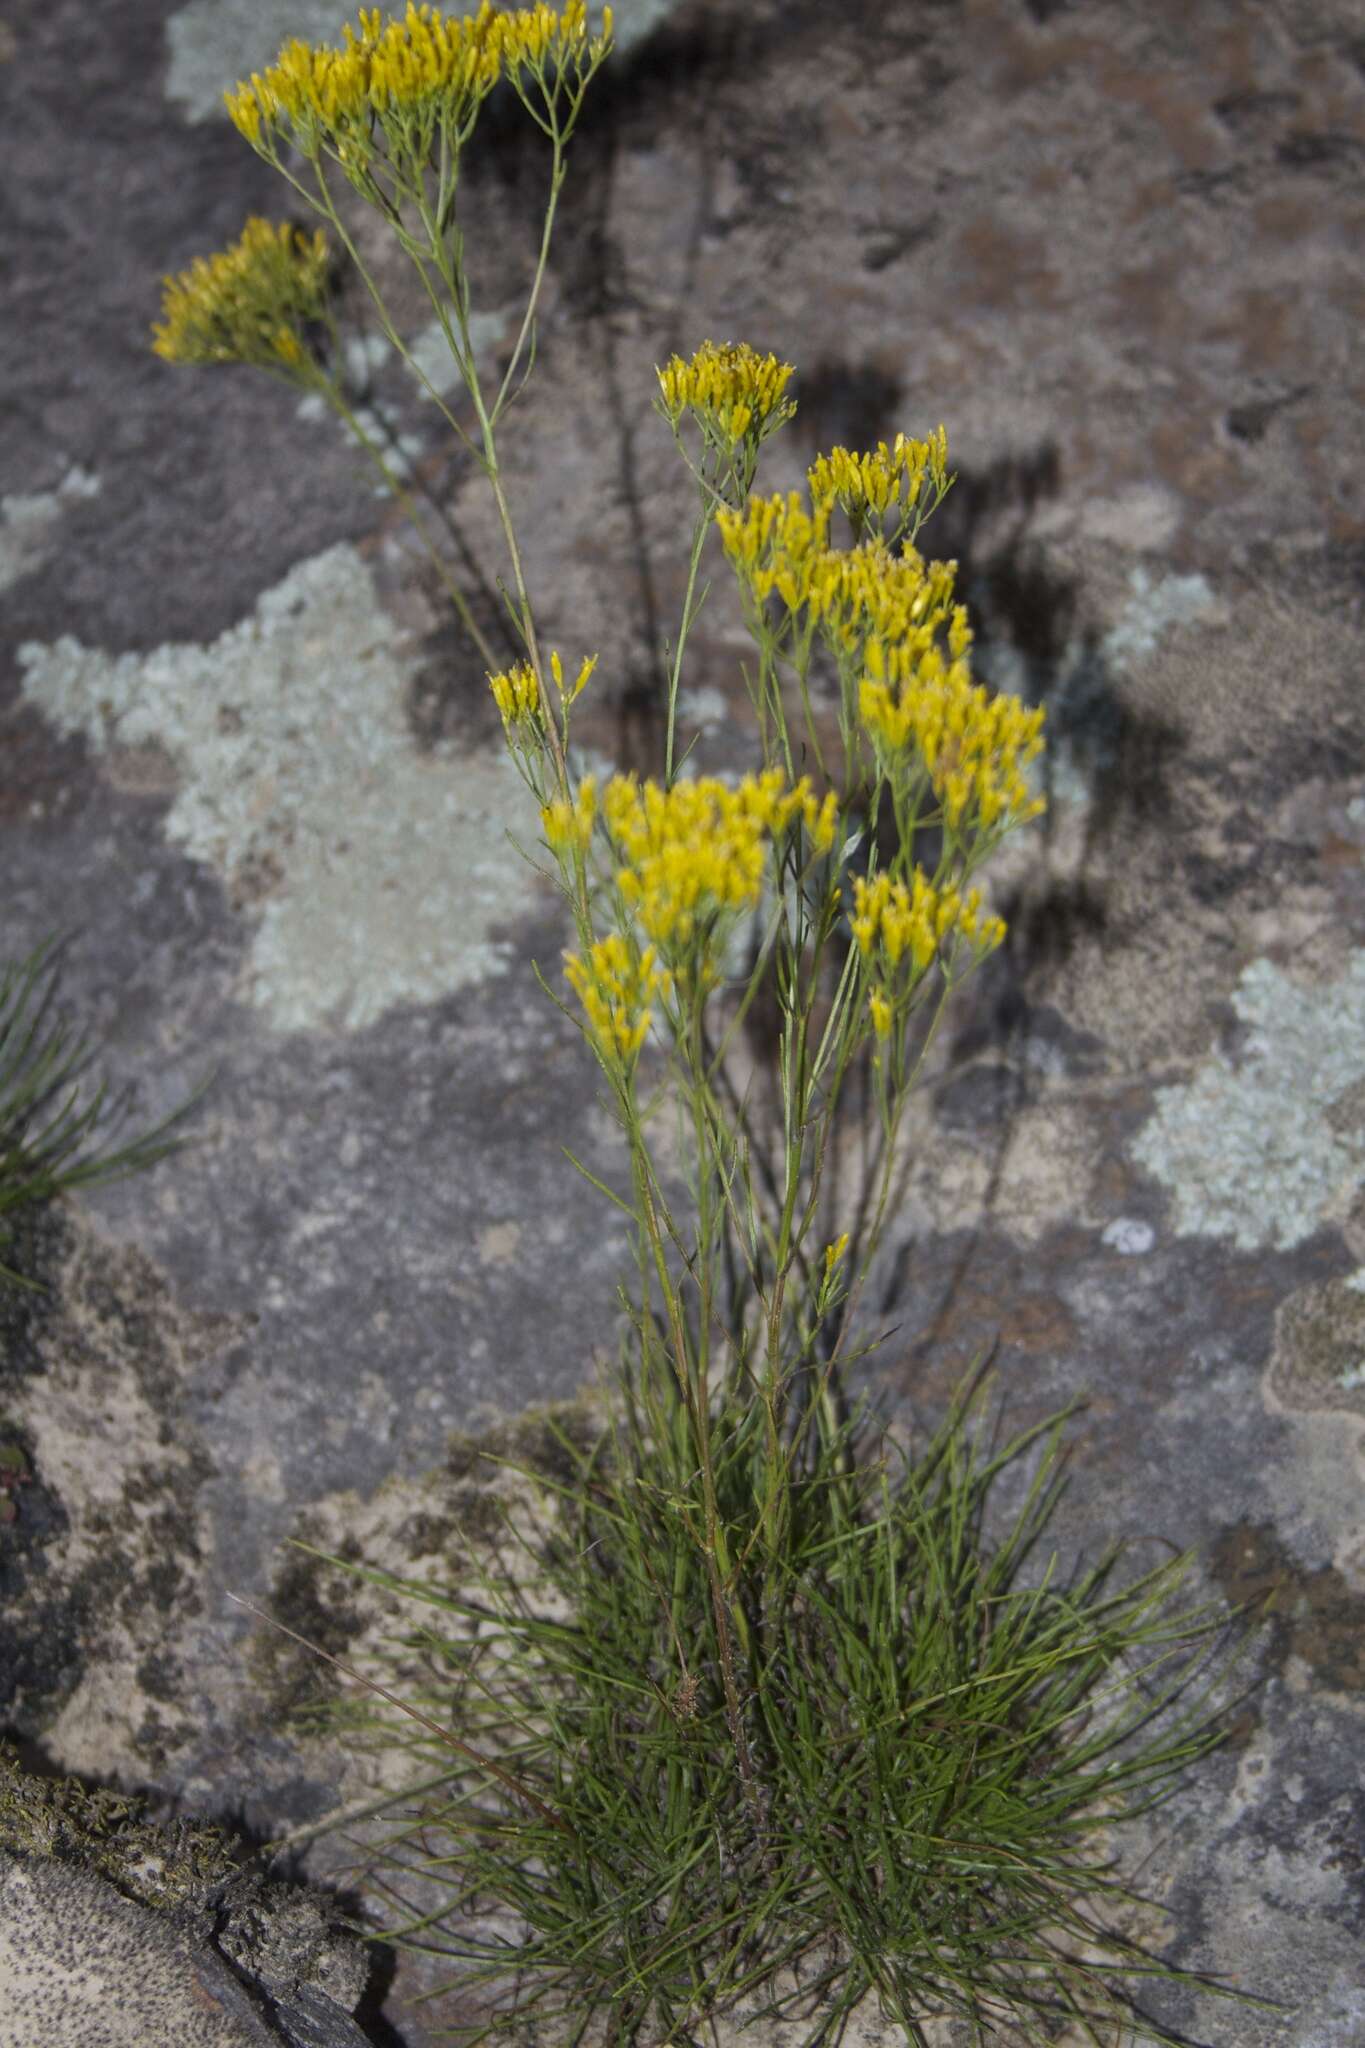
(108, 1835)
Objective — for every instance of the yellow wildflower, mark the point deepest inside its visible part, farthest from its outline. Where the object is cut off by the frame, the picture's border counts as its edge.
(867, 487)
(834, 1252)
(879, 1009)
(614, 985)
(433, 66)
(867, 592)
(516, 694)
(776, 544)
(541, 36)
(890, 919)
(731, 390)
(246, 304)
(319, 93)
(695, 854)
(891, 922)
(557, 671)
(569, 825)
(974, 746)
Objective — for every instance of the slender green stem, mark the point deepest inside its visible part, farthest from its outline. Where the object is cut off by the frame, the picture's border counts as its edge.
(457, 597)
(699, 533)
(716, 1559)
(556, 180)
(327, 206)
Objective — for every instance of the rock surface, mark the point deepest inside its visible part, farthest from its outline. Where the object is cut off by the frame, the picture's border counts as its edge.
(116, 1933)
(249, 765)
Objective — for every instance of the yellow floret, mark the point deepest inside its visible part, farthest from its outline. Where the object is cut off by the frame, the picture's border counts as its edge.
(557, 671)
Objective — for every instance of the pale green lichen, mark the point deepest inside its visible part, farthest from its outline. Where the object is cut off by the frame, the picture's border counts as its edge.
(28, 524)
(1254, 1147)
(375, 874)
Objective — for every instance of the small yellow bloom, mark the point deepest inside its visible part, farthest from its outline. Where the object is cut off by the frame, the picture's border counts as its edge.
(890, 920)
(776, 544)
(822, 824)
(693, 857)
(557, 671)
(569, 825)
(732, 391)
(834, 1252)
(614, 985)
(425, 67)
(974, 746)
(867, 487)
(880, 1012)
(517, 695)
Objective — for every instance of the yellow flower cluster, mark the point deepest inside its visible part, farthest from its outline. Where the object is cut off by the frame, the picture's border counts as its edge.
(892, 613)
(731, 388)
(246, 304)
(866, 487)
(568, 826)
(516, 694)
(892, 922)
(699, 848)
(776, 544)
(614, 985)
(975, 746)
(424, 61)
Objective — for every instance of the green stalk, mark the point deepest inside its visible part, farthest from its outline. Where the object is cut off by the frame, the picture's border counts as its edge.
(716, 1558)
(699, 533)
(457, 597)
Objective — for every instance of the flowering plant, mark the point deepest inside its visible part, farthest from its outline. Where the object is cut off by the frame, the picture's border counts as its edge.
(797, 1720)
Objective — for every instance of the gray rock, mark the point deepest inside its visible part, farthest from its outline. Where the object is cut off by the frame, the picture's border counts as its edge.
(83, 1965)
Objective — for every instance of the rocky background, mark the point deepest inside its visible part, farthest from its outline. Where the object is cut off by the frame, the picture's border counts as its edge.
(250, 767)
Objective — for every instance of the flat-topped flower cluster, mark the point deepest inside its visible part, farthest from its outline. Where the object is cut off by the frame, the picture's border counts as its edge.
(731, 390)
(899, 640)
(247, 303)
(419, 74)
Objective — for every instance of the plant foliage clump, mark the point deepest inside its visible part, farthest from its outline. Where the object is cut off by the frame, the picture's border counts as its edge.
(938, 1745)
